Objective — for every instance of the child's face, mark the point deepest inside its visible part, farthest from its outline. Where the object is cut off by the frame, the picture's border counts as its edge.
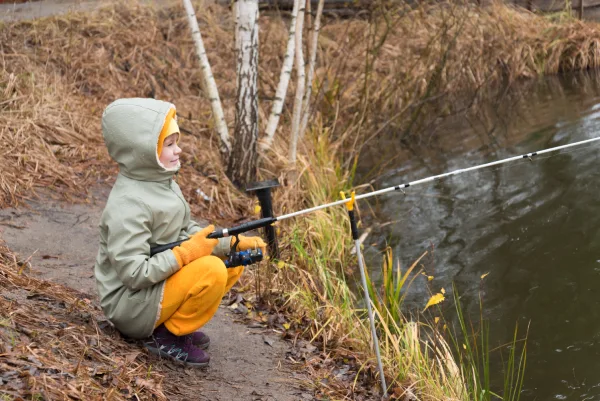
(169, 157)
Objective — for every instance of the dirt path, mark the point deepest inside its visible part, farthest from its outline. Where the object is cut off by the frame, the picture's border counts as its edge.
(39, 9)
(61, 241)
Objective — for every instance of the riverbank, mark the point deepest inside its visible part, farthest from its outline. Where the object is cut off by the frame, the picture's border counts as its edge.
(403, 73)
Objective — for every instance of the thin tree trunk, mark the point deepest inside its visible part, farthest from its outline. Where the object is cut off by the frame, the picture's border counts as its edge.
(242, 165)
(300, 74)
(311, 68)
(284, 79)
(210, 85)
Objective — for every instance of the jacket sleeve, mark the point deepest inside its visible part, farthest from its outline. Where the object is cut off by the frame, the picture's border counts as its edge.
(222, 248)
(128, 245)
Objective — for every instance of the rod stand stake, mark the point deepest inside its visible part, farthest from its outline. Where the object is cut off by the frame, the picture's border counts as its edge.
(263, 193)
(363, 275)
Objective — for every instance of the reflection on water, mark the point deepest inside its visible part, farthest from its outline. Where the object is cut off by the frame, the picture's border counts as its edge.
(533, 225)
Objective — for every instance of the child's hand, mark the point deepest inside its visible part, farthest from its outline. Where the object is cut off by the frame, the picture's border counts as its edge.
(196, 247)
(251, 243)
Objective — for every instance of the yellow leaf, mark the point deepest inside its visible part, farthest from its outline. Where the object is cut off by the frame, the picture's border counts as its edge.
(434, 300)
(464, 346)
(443, 291)
(286, 326)
(429, 278)
(256, 209)
(445, 327)
(280, 264)
(423, 273)
(436, 320)
(483, 275)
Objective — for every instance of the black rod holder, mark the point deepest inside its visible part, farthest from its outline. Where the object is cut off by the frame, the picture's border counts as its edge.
(263, 193)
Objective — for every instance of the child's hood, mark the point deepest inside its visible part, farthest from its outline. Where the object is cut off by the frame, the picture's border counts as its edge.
(131, 128)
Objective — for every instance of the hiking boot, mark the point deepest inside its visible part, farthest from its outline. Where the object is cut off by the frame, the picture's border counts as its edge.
(200, 340)
(178, 348)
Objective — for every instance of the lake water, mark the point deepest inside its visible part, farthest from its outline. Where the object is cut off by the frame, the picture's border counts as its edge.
(534, 226)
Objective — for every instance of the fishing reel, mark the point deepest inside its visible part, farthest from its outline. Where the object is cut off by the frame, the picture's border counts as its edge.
(234, 258)
(242, 258)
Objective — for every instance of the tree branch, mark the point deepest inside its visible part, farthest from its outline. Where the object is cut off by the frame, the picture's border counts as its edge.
(284, 79)
(300, 74)
(209, 80)
(311, 68)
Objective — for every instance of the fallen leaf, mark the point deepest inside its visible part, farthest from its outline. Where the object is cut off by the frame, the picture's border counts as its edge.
(49, 257)
(434, 300)
(429, 278)
(129, 358)
(443, 291)
(483, 275)
(436, 320)
(268, 340)
(149, 384)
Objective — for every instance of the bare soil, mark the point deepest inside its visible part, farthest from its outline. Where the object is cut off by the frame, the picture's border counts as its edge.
(60, 240)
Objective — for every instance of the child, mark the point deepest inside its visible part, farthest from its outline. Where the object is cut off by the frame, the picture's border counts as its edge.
(167, 297)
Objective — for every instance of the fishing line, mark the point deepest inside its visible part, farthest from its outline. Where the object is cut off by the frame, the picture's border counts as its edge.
(425, 193)
(518, 162)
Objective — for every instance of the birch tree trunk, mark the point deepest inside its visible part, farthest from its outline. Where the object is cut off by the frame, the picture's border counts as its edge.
(311, 69)
(209, 81)
(242, 164)
(284, 79)
(300, 74)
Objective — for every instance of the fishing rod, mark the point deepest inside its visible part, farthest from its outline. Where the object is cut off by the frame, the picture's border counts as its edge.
(255, 255)
(266, 221)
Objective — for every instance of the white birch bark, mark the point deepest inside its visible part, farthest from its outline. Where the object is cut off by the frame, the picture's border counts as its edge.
(311, 69)
(284, 79)
(209, 81)
(242, 165)
(300, 74)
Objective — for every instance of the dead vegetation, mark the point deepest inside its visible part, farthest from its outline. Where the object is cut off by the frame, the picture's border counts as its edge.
(56, 344)
(408, 65)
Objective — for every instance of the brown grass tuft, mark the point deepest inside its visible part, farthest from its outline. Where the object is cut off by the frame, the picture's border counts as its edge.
(55, 344)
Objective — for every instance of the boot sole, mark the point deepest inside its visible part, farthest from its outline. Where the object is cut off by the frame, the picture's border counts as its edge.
(163, 354)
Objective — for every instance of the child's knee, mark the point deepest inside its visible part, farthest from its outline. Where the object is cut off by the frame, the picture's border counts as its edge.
(212, 268)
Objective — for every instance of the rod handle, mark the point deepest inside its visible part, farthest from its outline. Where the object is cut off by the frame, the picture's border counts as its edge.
(162, 248)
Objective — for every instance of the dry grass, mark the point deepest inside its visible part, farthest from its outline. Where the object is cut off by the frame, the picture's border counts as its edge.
(58, 74)
(438, 60)
(55, 344)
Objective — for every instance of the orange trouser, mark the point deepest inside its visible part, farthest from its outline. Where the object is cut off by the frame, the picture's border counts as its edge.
(193, 294)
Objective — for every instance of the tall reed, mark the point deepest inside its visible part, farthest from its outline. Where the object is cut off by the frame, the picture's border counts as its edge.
(428, 359)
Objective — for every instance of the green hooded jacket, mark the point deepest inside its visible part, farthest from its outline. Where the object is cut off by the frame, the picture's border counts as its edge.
(145, 208)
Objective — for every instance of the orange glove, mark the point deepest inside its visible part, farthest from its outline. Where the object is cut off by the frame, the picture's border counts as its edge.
(251, 243)
(196, 247)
